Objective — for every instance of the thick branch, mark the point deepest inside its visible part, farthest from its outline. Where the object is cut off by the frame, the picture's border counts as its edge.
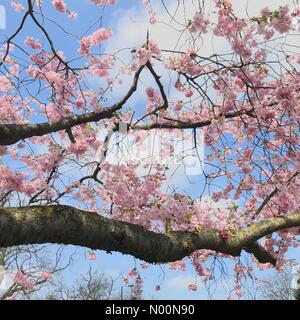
(260, 229)
(68, 225)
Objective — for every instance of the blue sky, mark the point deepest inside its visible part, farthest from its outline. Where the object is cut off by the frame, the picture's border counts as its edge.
(173, 283)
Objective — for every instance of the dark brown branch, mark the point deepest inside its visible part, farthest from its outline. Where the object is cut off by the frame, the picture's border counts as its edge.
(68, 225)
(175, 124)
(30, 10)
(9, 40)
(12, 133)
(160, 86)
(271, 195)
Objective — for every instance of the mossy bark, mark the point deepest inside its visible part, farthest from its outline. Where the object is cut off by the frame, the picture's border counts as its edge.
(68, 225)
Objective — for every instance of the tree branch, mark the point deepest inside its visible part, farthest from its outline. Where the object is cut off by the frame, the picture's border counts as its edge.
(12, 133)
(177, 124)
(68, 225)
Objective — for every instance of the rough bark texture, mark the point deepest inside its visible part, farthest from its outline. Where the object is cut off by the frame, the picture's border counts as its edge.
(68, 225)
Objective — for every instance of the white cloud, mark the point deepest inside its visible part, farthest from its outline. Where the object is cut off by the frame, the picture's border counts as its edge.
(251, 8)
(130, 29)
(221, 204)
(182, 282)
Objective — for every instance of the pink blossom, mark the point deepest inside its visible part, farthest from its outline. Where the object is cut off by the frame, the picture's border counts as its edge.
(103, 2)
(150, 92)
(14, 70)
(85, 44)
(178, 106)
(60, 5)
(227, 151)
(100, 35)
(72, 15)
(192, 287)
(17, 6)
(142, 55)
(138, 288)
(126, 279)
(3, 150)
(33, 43)
(94, 39)
(144, 265)
(199, 23)
(239, 292)
(153, 48)
(79, 103)
(46, 276)
(188, 92)
(152, 16)
(5, 84)
(92, 255)
(177, 265)
(132, 272)
(21, 279)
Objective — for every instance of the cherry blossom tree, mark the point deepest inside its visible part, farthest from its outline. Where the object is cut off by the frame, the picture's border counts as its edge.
(90, 286)
(25, 270)
(55, 185)
(278, 287)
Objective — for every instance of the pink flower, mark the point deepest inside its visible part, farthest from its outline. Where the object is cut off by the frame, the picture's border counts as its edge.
(126, 279)
(177, 265)
(103, 2)
(192, 287)
(142, 55)
(150, 92)
(94, 39)
(79, 103)
(178, 106)
(224, 235)
(227, 151)
(33, 43)
(92, 255)
(100, 68)
(239, 292)
(14, 70)
(3, 150)
(247, 169)
(153, 48)
(145, 265)
(5, 84)
(132, 272)
(60, 5)
(46, 276)
(152, 16)
(188, 92)
(100, 35)
(85, 44)
(72, 15)
(17, 6)
(22, 280)
(199, 23)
